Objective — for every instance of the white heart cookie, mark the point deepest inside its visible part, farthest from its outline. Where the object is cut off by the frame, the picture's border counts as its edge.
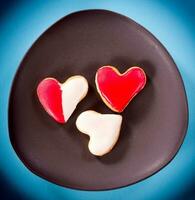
(103, 130)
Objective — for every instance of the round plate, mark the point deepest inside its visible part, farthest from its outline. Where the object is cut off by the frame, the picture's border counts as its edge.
(154, 123)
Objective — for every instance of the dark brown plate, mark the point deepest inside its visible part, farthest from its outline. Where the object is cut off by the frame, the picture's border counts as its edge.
(154, 123)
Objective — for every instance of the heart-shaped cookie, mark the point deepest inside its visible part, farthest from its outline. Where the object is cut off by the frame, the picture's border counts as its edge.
(116, 89)
(103, 130)
(60, 100)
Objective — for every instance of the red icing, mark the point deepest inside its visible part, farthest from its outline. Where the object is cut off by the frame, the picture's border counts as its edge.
(119, 89)
(50, 96)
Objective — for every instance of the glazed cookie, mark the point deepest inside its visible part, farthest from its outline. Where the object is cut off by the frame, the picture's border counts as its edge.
(116, 89)
(103, 130)
(60, 100)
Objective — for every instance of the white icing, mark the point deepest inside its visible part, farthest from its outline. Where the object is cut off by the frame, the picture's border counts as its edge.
(103, 130)
(73, 91)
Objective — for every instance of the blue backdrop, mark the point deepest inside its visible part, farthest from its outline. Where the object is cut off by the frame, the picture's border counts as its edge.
(172, 22)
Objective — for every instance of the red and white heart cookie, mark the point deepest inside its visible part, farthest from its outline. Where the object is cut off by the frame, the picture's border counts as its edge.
(60, 100)
(116, 89)
(103, 130)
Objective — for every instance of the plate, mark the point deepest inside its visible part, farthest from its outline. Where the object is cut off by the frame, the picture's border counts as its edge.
(154, 123)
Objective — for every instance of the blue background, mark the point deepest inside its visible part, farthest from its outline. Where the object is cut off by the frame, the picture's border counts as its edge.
(172, 22)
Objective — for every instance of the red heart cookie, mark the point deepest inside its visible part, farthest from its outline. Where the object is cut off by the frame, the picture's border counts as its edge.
(60, 100)
(117, 90)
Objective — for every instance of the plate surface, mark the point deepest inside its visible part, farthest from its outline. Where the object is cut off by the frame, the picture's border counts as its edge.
(154, 123)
